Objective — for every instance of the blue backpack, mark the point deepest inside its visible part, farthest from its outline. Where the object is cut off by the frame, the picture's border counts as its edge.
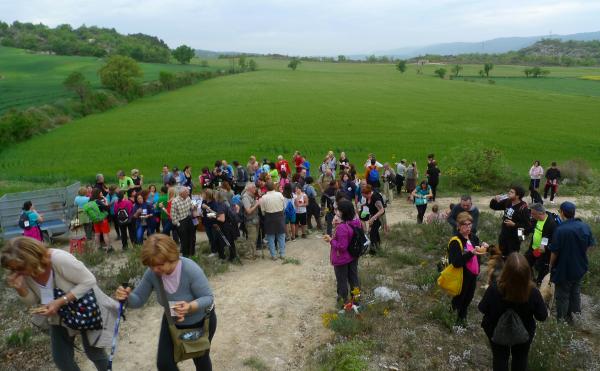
(290, 211)
(373, 175)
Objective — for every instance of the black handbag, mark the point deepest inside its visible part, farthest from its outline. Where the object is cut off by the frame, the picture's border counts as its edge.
(81, 314)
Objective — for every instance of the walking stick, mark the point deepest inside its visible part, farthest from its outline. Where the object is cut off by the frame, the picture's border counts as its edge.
(113, 349)
(215, 226)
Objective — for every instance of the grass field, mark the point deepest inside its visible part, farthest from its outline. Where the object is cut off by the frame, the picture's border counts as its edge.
(29, 79)
(358, 108)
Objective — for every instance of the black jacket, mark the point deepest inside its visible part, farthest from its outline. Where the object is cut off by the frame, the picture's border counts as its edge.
(518, 213)
(492, 305)
(548, 231)
(459, 257)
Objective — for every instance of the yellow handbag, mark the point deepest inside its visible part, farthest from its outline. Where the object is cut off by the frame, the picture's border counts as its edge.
(451, 278)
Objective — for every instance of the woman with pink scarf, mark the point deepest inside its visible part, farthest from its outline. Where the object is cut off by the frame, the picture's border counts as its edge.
(463, 252)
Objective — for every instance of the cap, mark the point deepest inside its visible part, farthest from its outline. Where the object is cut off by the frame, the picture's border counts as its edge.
(568, 207)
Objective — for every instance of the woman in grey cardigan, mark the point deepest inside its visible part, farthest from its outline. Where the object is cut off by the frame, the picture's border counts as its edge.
(187, 291)
(36, 272)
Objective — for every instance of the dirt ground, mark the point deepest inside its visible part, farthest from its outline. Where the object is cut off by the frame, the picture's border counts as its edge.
(265, 309)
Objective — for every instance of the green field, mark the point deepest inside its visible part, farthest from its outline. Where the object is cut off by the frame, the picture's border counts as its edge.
(29, 79)
(358, 108)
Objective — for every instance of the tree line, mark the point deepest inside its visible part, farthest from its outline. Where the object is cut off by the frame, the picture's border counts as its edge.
(90, 41)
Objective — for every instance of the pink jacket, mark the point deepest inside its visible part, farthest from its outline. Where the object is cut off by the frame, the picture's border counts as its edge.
(125, 204)
(339, 243)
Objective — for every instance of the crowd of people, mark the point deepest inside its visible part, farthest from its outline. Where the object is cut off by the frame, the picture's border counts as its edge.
(264, 205)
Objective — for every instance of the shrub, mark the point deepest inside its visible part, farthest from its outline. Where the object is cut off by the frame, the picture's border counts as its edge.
(575, 171)
(478, 168)
(440, 313)
(440, 72)
(19, 338)
(348, 356)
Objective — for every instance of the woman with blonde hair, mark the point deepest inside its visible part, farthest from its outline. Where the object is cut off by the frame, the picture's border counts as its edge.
(183, 285)
(515, 290)
(50, 280)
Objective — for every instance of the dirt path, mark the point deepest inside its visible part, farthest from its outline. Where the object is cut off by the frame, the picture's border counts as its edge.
(265, 309)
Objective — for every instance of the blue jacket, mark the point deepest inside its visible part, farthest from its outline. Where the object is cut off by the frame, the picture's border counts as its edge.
(570, 241)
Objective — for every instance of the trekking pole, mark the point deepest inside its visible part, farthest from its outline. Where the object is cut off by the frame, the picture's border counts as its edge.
(226, 241)
(113, 349)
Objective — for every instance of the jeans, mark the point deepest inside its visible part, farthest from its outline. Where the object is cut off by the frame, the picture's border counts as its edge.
(63, 354)
(165, 359)
(568, 299)
(280, 244)
(501, 354)
(139, 233)
(344, 275)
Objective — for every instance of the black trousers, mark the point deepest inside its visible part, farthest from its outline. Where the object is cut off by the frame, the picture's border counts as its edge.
(220, 235)
(461, 302)
(123, 229)
(374, 235)
(399, 183)
(501, 355)
(164, 358)
(509, 244)
(421, 213)
(187, 232)
(433, 190)
(345, 275)
(313, 210)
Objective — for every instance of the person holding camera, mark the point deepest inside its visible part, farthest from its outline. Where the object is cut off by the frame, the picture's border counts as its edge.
(186, 289)
(515, 219)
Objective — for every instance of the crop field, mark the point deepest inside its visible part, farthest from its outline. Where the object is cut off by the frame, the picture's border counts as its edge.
(28, 79)
(357, 108)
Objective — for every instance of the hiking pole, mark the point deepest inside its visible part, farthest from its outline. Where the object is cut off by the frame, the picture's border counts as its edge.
(113, 349)
(215, 226)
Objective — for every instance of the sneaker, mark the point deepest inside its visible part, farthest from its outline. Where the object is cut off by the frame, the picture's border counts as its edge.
(274, 258)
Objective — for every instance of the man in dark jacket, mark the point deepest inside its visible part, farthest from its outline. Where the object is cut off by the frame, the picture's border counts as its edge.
(552, 177)
(433, 177)
(515, 220)
(466, 204)
(543, 226)
(569, 261)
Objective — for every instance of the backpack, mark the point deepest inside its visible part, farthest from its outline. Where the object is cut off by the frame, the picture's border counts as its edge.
(359, 244)
(231, 223)
(373, 175)
(122, 216)
(510, 330)
(24, 221)
(290, 210)
(93, 211)
(242, 175)
(556, 218)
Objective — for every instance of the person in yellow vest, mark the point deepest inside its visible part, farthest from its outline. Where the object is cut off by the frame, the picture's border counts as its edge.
(543, 226)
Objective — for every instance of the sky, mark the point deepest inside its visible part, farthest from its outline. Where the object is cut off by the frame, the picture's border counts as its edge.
(314, 27)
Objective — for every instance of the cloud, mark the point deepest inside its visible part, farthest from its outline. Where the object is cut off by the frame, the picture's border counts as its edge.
(313, 27)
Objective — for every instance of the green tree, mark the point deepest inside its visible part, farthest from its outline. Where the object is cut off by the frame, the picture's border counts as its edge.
(252, 65)
(183, 54)
(242, 62)
(77, 83)
(121, 74)
(401, 65)
(372, 59)
(487, 67)
(481, 73)
(441, 72)
(294, 63)
(456, 69)
(341, 58)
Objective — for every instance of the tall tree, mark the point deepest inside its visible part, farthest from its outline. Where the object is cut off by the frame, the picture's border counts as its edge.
(341, 58)
(294, 63)
(77, 83)
(252, 65)
(456, 69)
(183, 54)
(242, 62)
(121, 74)
(487, 67)
(401, 65)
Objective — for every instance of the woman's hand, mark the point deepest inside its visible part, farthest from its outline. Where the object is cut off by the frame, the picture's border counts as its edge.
(122, 293)
(327, 238)
(182, 308)
(480, 250)
(53, 307)
(16, 281)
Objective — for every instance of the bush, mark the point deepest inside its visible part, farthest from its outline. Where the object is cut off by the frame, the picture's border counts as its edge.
(19, 338)
(440, 72)
(575, 172)
(478, 168)
(348, 356)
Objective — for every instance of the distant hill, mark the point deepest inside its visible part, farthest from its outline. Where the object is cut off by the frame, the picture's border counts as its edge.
(499, 45)
(83, 41)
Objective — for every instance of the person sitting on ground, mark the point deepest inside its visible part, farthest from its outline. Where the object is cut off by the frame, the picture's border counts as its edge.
(514, 290)
(35, 272)
(186, 290)
(465, 205)
(345, 265)
(435, 216)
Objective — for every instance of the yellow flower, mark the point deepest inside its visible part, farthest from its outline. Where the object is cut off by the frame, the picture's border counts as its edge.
(386, 312)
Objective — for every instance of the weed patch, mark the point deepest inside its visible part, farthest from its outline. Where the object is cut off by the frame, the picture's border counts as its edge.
(19, 338)
(255, 363)
(352, 355)
(291, 261)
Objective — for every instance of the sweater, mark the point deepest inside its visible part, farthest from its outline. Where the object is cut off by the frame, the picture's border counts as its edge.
(193, 285)
(492, 305)
(339, 254)
(71, 275)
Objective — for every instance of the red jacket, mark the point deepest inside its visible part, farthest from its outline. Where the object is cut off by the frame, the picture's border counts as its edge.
(283, 165)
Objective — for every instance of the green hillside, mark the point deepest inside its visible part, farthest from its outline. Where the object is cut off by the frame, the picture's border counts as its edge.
(359, 108)
(28, 79)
